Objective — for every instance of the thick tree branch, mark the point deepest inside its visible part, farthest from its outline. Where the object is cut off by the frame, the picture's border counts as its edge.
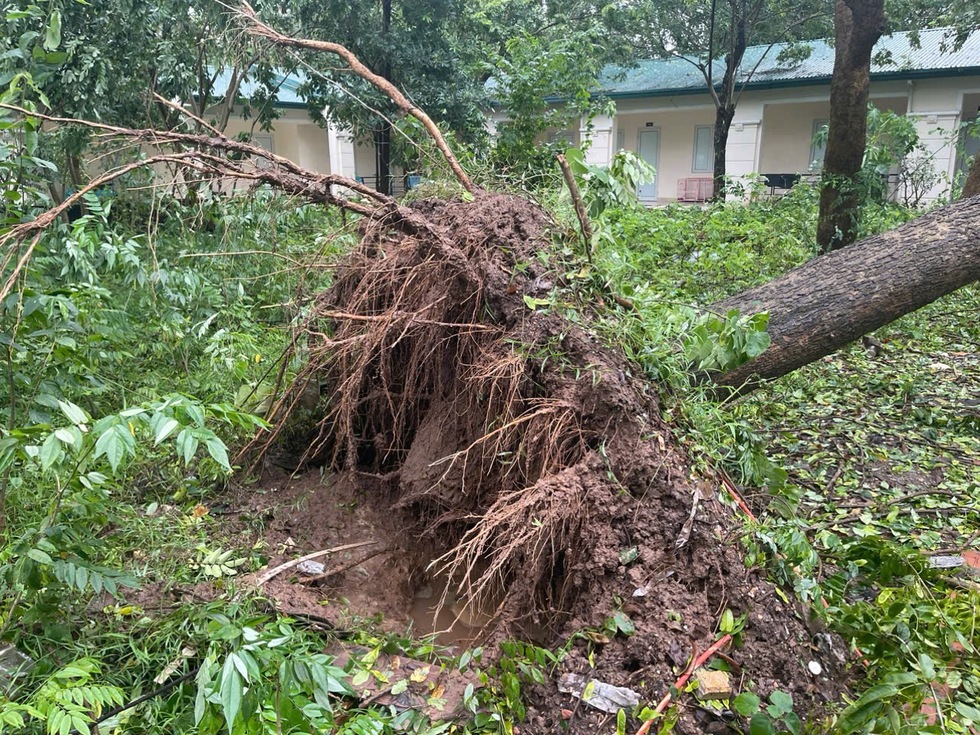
(257, 28)
(198, 152)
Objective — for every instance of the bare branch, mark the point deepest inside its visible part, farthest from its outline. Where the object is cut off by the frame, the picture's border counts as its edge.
(257, 28)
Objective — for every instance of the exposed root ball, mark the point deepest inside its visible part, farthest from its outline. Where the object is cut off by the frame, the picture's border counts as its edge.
(531, 458)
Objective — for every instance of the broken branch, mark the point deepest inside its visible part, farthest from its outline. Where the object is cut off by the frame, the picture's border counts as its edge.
(276, 571)
(257, 28)
(583, 217)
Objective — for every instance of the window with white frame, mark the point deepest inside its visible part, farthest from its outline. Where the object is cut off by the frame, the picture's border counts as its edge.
(818, 144)
(704, 149)
(561, 136)
(263, 140)
(620, 139)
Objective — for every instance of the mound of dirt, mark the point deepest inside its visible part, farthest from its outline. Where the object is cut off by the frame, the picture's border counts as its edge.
(526, 458)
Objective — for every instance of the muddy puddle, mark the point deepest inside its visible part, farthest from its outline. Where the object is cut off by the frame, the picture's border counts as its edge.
(439, 609)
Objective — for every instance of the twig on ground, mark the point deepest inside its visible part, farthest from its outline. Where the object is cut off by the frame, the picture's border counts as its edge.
(833, 480)
(142, 698)
(891, 500)
(275, 571)
(340, 568)
(696, 663)
(729, 485)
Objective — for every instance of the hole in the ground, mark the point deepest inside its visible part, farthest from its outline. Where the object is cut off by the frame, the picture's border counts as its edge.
(439, 608)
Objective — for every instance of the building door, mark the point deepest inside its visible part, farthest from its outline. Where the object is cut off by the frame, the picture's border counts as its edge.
(648, 145)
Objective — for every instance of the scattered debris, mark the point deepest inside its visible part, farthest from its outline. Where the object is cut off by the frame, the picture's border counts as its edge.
(712, 685)
(311, 567)
(275, 571)
(405, 683)
(598, 694)
(628, 556)
(685, 535)
(946, 562)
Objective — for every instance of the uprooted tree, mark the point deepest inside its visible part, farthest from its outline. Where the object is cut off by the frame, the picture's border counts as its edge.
(527, 475)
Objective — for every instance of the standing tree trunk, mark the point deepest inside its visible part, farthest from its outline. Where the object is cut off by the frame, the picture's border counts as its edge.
(382, 134)
(858, 26)
(834, 299)
(725, 99)
(972, 186)
(723, 124)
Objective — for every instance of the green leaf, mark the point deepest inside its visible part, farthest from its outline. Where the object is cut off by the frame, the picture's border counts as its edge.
(727, 621)
(856, 717)
(52, 36)
(782, 703)
(187, 445)
(970, 713)
(39, 556)
(219, 453)
(73, 413)
(114, 444)
(746, 704)
(52, 452)
(231, 690)
(623, 624)
(793, 723)
(927, 666)
(165, 429)
(399, 686)
(65, 436)
(761, 724)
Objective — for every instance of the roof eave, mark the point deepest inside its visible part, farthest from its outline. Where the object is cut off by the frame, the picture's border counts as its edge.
(900, 75)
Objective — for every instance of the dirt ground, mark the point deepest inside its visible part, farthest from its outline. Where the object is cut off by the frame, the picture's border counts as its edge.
(548, 490)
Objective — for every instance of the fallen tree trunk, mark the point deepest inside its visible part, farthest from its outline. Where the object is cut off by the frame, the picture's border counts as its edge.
(832, 300)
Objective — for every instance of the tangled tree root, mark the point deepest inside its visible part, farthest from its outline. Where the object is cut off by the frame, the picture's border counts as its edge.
(533, 460)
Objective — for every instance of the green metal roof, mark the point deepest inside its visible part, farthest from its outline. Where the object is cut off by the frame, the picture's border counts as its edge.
(288, 88)
(658, 77)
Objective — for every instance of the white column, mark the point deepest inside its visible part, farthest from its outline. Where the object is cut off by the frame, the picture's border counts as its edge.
(601, 139)
(743, 149)
(937, 136)
(348, 167)
(333, 149)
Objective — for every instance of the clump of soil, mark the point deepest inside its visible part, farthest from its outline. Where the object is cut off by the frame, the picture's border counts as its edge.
(524, 456)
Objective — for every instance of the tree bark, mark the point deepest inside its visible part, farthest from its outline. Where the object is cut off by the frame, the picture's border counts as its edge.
(382, 134)
(723, 124)
(725, 99)
(858, 26)
(836, 298)
(972, 186)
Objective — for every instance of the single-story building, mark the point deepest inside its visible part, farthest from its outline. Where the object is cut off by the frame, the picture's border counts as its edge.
(664, 113)
(323, 147)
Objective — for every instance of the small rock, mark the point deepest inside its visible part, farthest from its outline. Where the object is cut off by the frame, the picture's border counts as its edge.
(815, 668)
(712, 685)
